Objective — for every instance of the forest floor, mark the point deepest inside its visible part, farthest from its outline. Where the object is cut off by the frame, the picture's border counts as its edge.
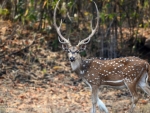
(33, 79)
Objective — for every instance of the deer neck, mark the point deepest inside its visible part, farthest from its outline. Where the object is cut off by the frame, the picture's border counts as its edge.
(80, 66)
(76, 64)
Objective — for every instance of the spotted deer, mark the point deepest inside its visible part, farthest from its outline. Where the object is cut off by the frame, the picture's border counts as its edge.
(128, 72)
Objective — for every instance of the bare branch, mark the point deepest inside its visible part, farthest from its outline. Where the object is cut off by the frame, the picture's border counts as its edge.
(108, 30)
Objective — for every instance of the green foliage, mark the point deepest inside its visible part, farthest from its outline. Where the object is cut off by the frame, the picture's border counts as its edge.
(55, 45)
(40, 10)
(4, 11)
(26, 13)
(83, 53)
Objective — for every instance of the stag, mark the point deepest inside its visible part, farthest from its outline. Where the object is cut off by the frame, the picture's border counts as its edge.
(128, 72)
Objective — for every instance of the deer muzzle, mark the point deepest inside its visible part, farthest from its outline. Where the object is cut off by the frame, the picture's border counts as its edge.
(72, 59)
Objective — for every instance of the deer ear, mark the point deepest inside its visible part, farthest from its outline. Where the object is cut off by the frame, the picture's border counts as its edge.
(65, 47)
(82, 47)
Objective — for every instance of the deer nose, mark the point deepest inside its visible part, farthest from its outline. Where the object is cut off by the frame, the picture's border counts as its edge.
(72, 59)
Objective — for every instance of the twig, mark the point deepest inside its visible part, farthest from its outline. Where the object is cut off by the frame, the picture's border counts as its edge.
(108, 30)
(4, 3)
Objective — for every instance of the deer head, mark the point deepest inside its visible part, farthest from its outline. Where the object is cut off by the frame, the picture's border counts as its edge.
(73, 51)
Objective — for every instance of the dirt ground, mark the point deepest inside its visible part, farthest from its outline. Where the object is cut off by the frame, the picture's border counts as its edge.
(33, 79)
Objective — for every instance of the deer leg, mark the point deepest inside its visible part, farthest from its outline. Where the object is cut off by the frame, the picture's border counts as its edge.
(94, 98)
(87, 83)
(146, 89)
(132, 88)
(143, 84)
(101, 105)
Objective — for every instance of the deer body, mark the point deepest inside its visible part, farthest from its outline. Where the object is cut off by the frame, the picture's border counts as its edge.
(110, 72)
(128, 72)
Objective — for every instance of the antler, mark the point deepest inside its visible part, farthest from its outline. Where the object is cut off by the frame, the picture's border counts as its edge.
(86, 40)
(65, 41)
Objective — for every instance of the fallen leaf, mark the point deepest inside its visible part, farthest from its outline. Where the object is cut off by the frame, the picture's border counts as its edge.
(1, 101)
(22, 97)
(57, 67)
(143, 101)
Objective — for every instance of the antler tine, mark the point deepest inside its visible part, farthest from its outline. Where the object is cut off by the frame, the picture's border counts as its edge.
(86, 40)
(65, 41)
